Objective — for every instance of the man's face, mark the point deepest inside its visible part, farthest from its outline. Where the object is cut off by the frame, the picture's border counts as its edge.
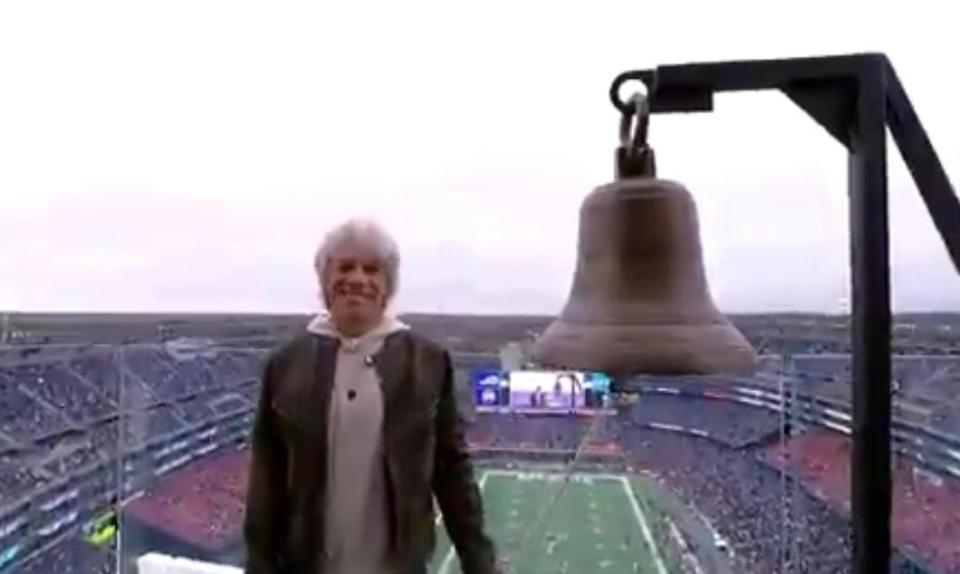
(355, 288)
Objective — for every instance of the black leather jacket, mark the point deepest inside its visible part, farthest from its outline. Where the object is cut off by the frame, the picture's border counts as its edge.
(425, 456)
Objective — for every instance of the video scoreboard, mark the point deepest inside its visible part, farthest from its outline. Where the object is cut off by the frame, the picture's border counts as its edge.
(541, 391)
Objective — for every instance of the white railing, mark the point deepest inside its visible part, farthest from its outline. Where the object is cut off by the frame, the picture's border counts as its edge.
(154, 563)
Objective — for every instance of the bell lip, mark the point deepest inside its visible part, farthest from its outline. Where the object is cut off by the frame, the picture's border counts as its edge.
(704, 349)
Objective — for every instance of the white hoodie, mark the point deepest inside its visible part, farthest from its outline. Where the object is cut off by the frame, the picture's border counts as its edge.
(322, 324)
(357, 515)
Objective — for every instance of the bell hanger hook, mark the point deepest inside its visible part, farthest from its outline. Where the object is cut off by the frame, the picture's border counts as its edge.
(634, 157)
(638, 108)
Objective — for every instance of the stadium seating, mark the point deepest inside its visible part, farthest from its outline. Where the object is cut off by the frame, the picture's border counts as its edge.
(58, 387)
(99, 367)
(151, 366)
(72, 556)
(15, 480)
(62, 416)
(745, 500)
(65, 412)
(926, 509)
(22, 417)
(733, 423)
(520, 430)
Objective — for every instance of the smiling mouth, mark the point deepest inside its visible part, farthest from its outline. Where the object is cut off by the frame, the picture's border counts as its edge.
(354, 296)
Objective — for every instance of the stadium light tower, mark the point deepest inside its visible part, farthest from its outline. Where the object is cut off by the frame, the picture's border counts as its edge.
(5, 331)
(855, 98)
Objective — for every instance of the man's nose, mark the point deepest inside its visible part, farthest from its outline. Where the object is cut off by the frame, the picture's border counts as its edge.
(355, 278)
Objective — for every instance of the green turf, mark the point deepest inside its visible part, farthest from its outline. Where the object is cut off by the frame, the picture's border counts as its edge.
(593, 526)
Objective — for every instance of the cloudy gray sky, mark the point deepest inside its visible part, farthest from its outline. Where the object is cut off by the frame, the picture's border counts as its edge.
(188, 155)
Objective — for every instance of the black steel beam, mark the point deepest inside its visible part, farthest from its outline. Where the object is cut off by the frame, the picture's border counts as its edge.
(829, 102)
(924, 165)
(690, 87)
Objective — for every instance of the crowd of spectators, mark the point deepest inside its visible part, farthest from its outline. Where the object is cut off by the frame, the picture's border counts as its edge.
(15, 479)
(200, 505)
(228, 403)
(925, 387)
(518, 430)
(250, 390)
(733, 423)
(153, 366)
(149, 423)
(195, 409)
(66, 454)
(23, 418)
(99, 368)
(203, 407)
(926, 508)
(57, 386)
(61, 413)
(235, 366)
(73, 555)
(767, 521)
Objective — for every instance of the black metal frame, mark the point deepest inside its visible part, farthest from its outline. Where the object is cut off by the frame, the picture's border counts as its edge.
(854, 97)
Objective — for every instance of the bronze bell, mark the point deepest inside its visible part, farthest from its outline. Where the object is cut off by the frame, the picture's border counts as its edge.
(639, 302)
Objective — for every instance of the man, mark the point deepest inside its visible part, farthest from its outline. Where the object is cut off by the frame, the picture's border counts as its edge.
(356, 431)
(570, 383)
(535, 397)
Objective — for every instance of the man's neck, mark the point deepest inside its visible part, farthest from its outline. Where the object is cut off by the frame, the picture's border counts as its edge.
(354, 329)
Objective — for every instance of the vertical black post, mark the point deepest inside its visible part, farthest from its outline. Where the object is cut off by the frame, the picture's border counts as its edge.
(870, 268)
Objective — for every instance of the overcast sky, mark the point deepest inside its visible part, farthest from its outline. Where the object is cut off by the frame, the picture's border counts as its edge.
(189, 155)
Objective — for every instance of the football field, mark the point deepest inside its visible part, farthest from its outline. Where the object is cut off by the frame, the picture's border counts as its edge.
(547, 523)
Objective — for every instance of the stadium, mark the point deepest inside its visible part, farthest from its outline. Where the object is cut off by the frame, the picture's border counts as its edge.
(113, 452)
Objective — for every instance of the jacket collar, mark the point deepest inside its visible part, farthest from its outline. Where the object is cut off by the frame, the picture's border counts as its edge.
(322, 324)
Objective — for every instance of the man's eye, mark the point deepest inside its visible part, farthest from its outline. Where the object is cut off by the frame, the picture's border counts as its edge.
(371, 269)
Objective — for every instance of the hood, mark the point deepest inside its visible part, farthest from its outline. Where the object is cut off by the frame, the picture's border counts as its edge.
(321, 324)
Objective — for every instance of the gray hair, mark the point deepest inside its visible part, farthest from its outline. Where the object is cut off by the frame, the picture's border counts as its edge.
(369, 234)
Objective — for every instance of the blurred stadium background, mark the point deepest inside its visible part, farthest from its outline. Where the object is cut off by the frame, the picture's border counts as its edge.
(122, 436)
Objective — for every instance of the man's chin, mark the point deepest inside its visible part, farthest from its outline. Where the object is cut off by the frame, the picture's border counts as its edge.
(352, 302)
(354, 312)
(360, 312)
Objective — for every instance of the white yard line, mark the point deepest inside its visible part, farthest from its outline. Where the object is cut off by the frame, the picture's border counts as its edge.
(498, 472)
(514, 473)
(451, 552)
(642, 521)
(545, 474)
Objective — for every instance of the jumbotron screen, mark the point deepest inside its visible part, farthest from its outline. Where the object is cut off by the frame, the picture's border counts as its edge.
(541, 391)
